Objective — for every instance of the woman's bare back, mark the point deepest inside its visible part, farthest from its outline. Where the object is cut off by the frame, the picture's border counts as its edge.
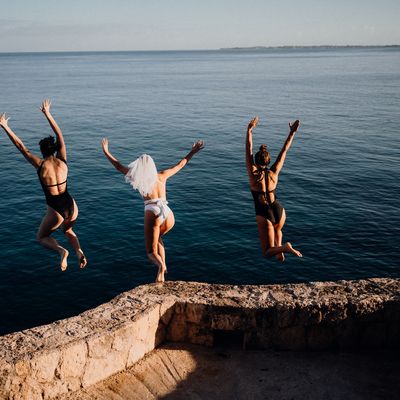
(54, 171)
(160, 188)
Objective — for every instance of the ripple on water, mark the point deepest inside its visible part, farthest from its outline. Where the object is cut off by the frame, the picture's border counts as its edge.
(339, 185)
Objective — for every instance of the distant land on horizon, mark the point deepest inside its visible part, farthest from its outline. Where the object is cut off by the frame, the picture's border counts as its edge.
(327, 46)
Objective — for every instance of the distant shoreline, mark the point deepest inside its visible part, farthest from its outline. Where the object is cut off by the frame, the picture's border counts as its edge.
(251, 48)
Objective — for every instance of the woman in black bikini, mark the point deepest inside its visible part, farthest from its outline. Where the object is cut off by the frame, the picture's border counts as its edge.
(52, 171)
(270, 215)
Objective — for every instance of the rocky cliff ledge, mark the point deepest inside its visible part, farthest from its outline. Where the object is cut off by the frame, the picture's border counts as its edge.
(46, 361)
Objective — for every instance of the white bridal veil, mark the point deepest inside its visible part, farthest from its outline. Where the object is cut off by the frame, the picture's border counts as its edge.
(142, 174)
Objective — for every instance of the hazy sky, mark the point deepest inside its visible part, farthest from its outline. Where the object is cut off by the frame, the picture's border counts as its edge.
(51, 25)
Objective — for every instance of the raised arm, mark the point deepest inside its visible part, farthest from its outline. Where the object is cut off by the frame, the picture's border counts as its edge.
(62, 151)
(34, 160)
(118, 166)
(249, 146)
(197, 146)
(278, 164)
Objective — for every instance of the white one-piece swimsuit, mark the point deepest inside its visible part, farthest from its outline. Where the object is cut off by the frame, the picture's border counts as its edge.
(159, 207)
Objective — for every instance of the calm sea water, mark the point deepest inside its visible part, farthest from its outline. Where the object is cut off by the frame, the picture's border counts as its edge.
(340, 183)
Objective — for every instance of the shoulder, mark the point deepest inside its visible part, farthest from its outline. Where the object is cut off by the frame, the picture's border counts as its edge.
(62, 159)
(273, 169)
(39, 164)
(61, 164)
(162, 176)
(251, 165)
(273, 174)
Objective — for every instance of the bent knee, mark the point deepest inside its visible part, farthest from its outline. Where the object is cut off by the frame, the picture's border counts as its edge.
(151, 252)
(267, 253)
(68, 225)
(40, 237)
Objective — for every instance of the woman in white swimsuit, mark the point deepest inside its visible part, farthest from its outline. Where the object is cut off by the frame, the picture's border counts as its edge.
(158, 217)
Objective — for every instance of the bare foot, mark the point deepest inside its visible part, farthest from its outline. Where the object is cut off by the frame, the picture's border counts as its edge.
(64, 256)
(280, 257)
(159, 277)
(160, 274)
(289, 249)
(82, 260)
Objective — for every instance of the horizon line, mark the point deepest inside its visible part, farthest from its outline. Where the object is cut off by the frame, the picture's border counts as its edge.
(215, 49)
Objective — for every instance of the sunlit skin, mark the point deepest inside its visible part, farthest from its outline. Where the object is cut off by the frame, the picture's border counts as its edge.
(153, 228)
(53, 171)
(270, 234)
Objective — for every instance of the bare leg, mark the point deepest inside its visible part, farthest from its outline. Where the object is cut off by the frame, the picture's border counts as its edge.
(164, 228)
(267, 238)
(280, 257)
(51, 221)
(73, 239)
(278, 235)
(266, 233)
(161, 252)
(286, 248)
(151, 237)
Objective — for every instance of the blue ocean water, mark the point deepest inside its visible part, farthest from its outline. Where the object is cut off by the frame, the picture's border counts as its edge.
(339, 185)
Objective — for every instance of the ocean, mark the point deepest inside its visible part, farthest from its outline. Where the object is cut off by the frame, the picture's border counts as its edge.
(339, 185)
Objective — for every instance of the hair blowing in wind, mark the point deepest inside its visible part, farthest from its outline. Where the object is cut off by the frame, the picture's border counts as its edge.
(142, 174)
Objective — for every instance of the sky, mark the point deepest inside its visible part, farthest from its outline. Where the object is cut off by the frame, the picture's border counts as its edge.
(96, 25)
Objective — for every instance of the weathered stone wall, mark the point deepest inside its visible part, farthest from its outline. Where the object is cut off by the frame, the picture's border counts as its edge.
(66, 355)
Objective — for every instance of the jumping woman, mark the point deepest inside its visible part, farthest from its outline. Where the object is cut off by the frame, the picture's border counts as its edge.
(270, 215)
(52, 171)
(158, 217)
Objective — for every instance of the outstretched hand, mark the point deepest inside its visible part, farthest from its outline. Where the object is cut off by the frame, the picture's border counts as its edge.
(104, 142)
(197, 146)
(45, 107)
(253, 123)
(294, 126)
(4, 120)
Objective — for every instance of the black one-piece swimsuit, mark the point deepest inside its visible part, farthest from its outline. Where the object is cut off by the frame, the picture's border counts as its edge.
(62, 203)
(272, 211)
